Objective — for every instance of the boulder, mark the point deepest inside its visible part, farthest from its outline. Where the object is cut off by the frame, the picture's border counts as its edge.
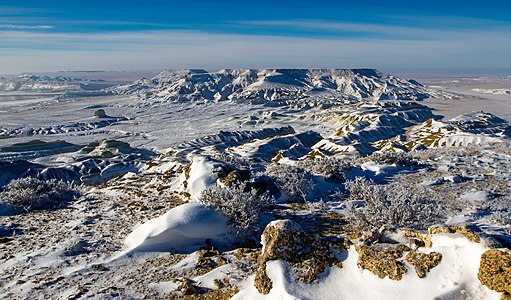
(423, 262)
(382, 259)
(284, 239)
(470, 232)
(309, 255)
(100, 113)
(495, 271)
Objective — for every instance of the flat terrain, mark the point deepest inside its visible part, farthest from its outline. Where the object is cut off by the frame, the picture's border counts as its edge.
(470, 99)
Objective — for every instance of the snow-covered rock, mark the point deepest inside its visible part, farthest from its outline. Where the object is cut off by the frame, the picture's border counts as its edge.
(455, 277)
(274, 84)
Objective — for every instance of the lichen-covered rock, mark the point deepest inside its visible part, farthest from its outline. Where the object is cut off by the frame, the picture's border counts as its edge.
(187, 287)
(234, 177)
(495, 270)
(284, 239)
(262, 282)
(308, 255)
(425, 237)
(308, 270)
(382, 259)
(440, 229)
(423, 262)
(209, 258)
(469, 233)
(230, 179)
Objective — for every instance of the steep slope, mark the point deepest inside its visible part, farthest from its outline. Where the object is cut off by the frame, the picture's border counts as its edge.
(274, 84)
(476, 128)
(359, 127)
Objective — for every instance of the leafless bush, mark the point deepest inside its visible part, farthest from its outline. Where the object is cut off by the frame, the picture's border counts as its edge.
(32, 194)
(331, 167)
(240, 204)
(398, 158)
(233, 159)
(435, 154)
(319, 205)
(500, 210)
(391, 205)
(296, 182)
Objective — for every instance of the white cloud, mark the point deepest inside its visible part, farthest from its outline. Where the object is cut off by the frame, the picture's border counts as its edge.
(22, 51)
(22, 27)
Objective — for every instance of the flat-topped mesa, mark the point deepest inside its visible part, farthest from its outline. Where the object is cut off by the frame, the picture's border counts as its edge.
(38, 83)
(274, 84)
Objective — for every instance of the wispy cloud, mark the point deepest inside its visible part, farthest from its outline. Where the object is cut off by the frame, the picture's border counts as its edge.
(128, 50)
(409, 28)
(24, 27)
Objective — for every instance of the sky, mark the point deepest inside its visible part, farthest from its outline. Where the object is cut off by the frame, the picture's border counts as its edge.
(430, 37)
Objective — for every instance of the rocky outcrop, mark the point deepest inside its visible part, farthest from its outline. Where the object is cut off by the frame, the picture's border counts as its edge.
(308, 255)
(495, 271)
(284, 239)
(382, 259)
(470, 232)
(229, 176)
(188, 287)
(262, 282)
(467, 232)
(423, 262)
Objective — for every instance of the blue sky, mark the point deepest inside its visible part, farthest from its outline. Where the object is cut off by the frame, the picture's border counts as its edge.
(394, 36)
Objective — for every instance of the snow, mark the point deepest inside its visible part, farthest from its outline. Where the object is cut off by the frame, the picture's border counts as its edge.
(475, 196)
(494, 91)
(272, 84)
(181, 229)
(164, 136)
(378, 169)
(454, 278)
(201, 176)
(208, 280)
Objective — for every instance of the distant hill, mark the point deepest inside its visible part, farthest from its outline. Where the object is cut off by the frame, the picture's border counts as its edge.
(53, 84)
(274, 84)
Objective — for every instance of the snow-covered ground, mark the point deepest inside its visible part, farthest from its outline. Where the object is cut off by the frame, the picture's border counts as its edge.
(476, 93)
(144, 153)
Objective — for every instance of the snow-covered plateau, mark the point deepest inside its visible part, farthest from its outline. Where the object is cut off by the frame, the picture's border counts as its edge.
(255, 184)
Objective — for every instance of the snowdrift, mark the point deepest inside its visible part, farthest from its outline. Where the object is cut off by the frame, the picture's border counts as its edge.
(183, 229)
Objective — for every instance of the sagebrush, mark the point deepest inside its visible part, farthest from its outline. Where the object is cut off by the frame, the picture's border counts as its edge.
(232, 159)
(500, 210)
(242, 206)
(393, 205)
(296, 182)
(330, 167)
(32, 194)
(390, 158)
